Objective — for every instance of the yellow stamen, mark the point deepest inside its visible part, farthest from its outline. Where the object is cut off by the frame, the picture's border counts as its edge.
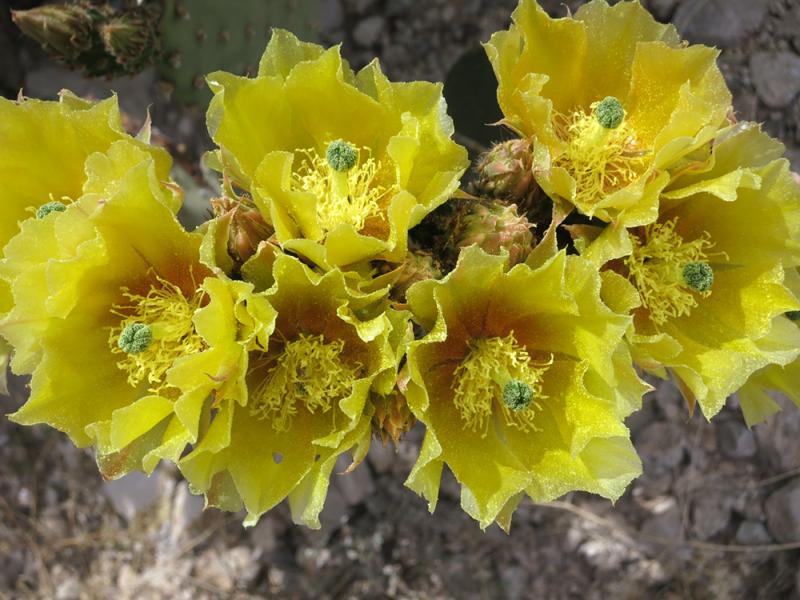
(480, 380)
(601, 160)
(310, 372)
(350, 196)
(167, 313)
(656, 267)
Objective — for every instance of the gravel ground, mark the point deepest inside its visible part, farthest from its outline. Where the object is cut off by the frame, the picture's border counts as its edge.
(710, 518)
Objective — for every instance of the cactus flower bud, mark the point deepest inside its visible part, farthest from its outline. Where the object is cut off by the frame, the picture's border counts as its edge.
(65, 30)
(417, 266)
(131, 39)
(506, 172)
(392, 418)
(494, 226)
(247, 227)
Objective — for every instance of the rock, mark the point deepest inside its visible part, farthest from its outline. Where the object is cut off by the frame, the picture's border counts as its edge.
(356, 485)
(752, 533)
(783, 512)
(515, 581)
(662, 9)
(331, 15)
(721, 23)
(666, 524)
(368, 32)
(745, 103)
(133, 493)
(661, 446)
(710, 516)
(69, 589)
(736, 440)
(381, 458)
(776, 76)
(777, 437)
(266, 534)
(397, 7)
(186, 509)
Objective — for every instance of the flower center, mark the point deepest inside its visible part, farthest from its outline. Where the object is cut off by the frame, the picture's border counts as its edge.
(498, 375)
(310, 372)
(155, 330)
(50, 207)
(602, 153)
(347, 183)
(669, 272)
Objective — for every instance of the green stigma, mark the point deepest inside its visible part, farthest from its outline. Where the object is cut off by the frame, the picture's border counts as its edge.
(794, 315)
(517, 395)
(698, 275)
(135, 338)
(48, 207)
(341, 156)
(609, 112)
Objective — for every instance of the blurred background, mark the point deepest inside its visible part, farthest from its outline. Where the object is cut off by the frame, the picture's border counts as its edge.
(715, 515)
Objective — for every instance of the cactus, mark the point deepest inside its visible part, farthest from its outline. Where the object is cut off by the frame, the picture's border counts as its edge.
(186, 39)
(201, 36)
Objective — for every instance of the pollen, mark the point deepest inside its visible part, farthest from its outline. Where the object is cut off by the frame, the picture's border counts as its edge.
(669, 272)
(498, 377)
(602, 153)
(350, 186)
(155, 330)
(309, 373)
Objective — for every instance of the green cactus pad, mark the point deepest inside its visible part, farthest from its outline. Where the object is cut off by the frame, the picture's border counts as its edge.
(201, 36)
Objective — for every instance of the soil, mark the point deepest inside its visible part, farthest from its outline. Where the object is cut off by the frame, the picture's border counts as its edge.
(714, 515)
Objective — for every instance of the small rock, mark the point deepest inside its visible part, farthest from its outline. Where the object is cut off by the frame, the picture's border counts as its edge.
(69, 589)
(266, 534)
(133, 493)
(662, 9)
(368, 31)
(666, 524)
(745, 104)
(356, 485)
(776, 76)
(186, 509)
(381, 458)
(661, 446)
(515, 581)
(736, 440)
(777, 437)
(331, 15)
(397, 7)
(783, 512)
(719, 22)
(710, 516)
(752, 533)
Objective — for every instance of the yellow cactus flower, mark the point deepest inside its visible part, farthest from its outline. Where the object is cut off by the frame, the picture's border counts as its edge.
(522, 382)
(710, 272)
(612, 99)
(104, 293)
(341, 164)
(754, 397)
(43, 148)
(307, 387)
